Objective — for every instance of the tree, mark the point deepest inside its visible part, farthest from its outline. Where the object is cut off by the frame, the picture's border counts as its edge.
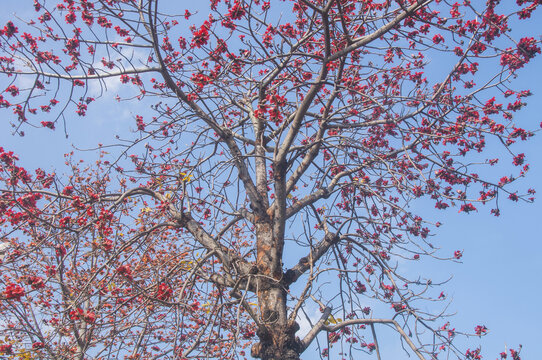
(283, 146)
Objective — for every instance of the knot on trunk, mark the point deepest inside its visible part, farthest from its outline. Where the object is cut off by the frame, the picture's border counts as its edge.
(269, 316)
(278, 343)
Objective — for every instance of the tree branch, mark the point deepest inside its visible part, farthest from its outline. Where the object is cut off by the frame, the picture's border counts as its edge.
(305, 263)
(307, 340)
(376, 321)
(381, 31)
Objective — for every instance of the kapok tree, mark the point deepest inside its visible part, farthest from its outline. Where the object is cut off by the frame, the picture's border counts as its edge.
(271, 173)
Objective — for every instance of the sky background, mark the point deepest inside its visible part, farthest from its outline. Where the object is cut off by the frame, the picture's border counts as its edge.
(498, 284)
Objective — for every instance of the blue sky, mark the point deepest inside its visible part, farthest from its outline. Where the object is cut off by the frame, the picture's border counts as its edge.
(498, 283)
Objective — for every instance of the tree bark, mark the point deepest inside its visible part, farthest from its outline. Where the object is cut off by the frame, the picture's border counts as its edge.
(276, 333)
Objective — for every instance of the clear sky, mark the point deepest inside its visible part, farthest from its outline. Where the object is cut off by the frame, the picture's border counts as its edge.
(498, 284)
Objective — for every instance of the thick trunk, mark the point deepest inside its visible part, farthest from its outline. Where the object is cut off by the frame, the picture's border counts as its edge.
(276, 333)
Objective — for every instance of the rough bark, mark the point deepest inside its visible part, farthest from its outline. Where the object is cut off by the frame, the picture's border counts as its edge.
(276, 333)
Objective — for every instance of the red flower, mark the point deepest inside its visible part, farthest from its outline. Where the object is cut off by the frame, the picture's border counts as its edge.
(474, 355)
(87, 17)
(515, 354)
(201, 37)
(164, 292)
(60, 250)
(438, 39)
(70, 17)
(441, 205)
(140, 123)
(6, 349)
(35, 282)
(236, 11)
(81, 109)
(9, 30)
(13, 90)
(48, 124)
(519, 159)
(360, 288)
(14, 292)
(467, 208)
(50, 270)
(76, 314)
(125, 271)
(90, 317)
(480, 330)
(107, 244)
(103, 22)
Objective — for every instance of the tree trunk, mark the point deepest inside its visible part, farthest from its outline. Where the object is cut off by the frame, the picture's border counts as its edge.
(276, 333)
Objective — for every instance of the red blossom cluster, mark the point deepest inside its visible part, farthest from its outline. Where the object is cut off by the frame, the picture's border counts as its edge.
(13, 292)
